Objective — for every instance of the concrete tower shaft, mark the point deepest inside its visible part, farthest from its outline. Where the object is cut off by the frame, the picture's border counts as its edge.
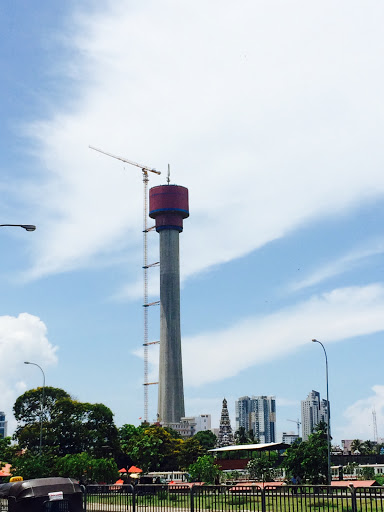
(168, 204)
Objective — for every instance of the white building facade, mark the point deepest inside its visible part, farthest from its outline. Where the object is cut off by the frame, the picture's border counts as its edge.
(289, 437)
(313, 411)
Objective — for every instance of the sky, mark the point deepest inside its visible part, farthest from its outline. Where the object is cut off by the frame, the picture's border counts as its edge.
(271, 113)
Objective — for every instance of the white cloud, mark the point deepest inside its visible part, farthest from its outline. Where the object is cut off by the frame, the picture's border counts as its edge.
(335, 316)
(267, 111)
(359, 418)
(22, 338)
(340, 266)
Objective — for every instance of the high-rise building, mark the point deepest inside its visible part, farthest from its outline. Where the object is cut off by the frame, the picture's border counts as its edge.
(3, 425)
(313, 411)
(259, 415)
(225, 436)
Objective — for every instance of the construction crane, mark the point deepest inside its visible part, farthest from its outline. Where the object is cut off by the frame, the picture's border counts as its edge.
(298, 423)
(145, 170)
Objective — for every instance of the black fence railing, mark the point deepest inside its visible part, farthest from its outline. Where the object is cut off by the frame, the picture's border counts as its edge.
(196, 498)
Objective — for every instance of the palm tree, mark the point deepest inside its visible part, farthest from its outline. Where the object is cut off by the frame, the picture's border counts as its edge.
(368, 447)
(357, 446)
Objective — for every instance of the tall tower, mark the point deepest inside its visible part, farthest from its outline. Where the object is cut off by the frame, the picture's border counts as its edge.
(168, 204)
(225, 437)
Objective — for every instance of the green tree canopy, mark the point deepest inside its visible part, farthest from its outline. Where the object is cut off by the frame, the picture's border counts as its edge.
(88, 469)
(309, 459)
(204, 470)
(262, 467)
(31, 465)
(28, 405)
(357, 445)
(68, 425)
(244, 437)
(151, 448)
(189, 451)
(6, 450)
(206, 438)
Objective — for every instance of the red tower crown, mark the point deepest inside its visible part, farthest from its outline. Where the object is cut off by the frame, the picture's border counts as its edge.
(168, 204)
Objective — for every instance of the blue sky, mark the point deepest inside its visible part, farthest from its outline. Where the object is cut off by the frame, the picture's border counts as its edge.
(271, 113)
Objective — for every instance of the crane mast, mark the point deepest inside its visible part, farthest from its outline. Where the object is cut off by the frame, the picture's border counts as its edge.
(298, 423)
(145, 171)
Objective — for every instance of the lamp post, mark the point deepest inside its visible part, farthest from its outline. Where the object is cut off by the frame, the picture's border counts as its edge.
(328, 422)
(27, 227)
(42, 406)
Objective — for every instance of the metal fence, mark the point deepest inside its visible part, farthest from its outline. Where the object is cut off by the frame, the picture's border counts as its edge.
(168, 498)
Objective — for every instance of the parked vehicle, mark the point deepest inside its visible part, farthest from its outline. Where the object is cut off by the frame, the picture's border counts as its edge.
(42, 495)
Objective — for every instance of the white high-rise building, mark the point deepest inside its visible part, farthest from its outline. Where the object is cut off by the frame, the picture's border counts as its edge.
(313, 410)
(259, 415)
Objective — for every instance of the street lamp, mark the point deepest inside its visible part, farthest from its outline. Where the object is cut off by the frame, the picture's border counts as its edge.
(328, 423)
(27, 227)
(42, 406)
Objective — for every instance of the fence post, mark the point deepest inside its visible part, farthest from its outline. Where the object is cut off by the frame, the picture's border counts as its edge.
(133, 498)
(353, 497)
(84, 489)
(192, 501)
(263, 505)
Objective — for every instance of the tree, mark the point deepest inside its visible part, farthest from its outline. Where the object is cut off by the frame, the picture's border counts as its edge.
(31, 465)
(356, 446)
(367, 473)
(206, 438)
(68, 425)
(244, 437)
(6, 450)
(27, 407)
(368, 447)
(88, 469)
(309, 459)
(241, 436)
(261, 468)
(151, 448)
(204, 470)
(189, 451)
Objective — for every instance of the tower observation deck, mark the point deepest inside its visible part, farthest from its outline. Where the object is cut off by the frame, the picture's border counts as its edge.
(168, 205)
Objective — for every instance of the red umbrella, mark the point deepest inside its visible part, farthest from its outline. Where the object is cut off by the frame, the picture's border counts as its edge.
(134, 469)
(122, 470)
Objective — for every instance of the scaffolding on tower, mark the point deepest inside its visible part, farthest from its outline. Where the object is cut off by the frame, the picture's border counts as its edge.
(146, 304)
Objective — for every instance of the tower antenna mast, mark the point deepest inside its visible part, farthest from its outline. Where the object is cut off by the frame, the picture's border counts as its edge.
(145, 170)
(375, 435)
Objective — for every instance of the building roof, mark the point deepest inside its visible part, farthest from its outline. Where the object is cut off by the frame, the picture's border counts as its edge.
(354, 483)
(257, 447)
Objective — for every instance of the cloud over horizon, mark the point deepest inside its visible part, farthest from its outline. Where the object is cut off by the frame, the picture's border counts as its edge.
(266, 136)
(340, 314)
